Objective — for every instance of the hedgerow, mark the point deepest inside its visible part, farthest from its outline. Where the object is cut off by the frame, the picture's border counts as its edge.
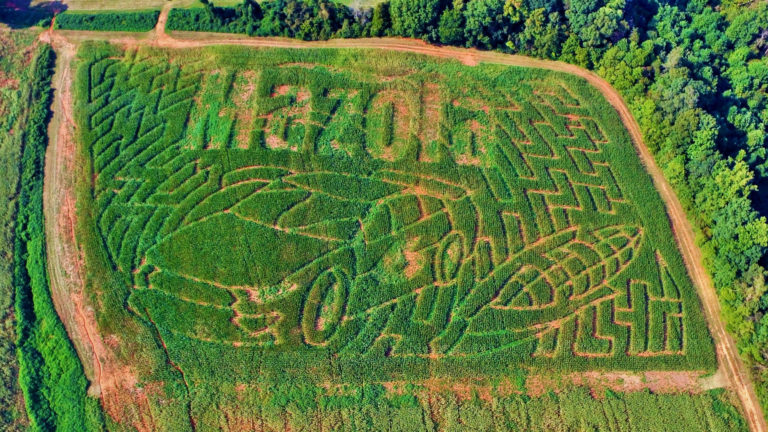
(139, 21)
(309, 20)
(13, 105)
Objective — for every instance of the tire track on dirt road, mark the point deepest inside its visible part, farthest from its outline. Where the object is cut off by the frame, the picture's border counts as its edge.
(729, 361)
(65, 259)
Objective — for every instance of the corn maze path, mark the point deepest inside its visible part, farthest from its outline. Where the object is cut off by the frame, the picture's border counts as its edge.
(531, 268)
(477, 229)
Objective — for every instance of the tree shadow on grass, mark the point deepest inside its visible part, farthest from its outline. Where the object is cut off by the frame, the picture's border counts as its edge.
(22, 13)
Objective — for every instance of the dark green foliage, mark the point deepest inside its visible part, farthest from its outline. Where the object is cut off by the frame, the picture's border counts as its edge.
(50, 374)
(303, 19)
(596, 22)
(244, 18)
(14, 106)
(381, 21)
(416, 18)
(16, 18)
(451, 27)
(486, 24)
(142, 21)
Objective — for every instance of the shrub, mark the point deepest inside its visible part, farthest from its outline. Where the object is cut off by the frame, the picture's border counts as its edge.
(141, 21)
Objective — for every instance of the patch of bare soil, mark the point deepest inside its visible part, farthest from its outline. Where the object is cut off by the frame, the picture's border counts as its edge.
(598, 382)
(464, 389)
(275, 142)
(244, 128)
(414, 260)
(244, 92)
(302, 96)
(6, 82)
(281, 90)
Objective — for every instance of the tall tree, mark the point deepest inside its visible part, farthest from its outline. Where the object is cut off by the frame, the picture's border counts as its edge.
(416, 18)
(451, 27)
(543, 34)
(381, 21)
(486, 25)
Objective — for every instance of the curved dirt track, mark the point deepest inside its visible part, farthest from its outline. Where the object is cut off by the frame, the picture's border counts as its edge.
(729, 361)
(65, 261)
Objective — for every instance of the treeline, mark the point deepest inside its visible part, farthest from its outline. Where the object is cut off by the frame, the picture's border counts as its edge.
(142, 21)
(302, 19)
(693, 73)
(50, 374)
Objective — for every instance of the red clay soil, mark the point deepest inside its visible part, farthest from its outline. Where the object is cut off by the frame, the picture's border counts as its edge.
(729, 360)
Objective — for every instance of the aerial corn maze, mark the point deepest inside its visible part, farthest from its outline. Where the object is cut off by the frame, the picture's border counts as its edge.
(349, 216)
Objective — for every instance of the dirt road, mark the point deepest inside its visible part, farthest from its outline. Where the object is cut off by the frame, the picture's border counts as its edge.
(730, 364)
(65, 260)
(58, 197)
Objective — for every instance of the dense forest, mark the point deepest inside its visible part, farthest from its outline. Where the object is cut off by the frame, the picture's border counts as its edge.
(694, 74)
